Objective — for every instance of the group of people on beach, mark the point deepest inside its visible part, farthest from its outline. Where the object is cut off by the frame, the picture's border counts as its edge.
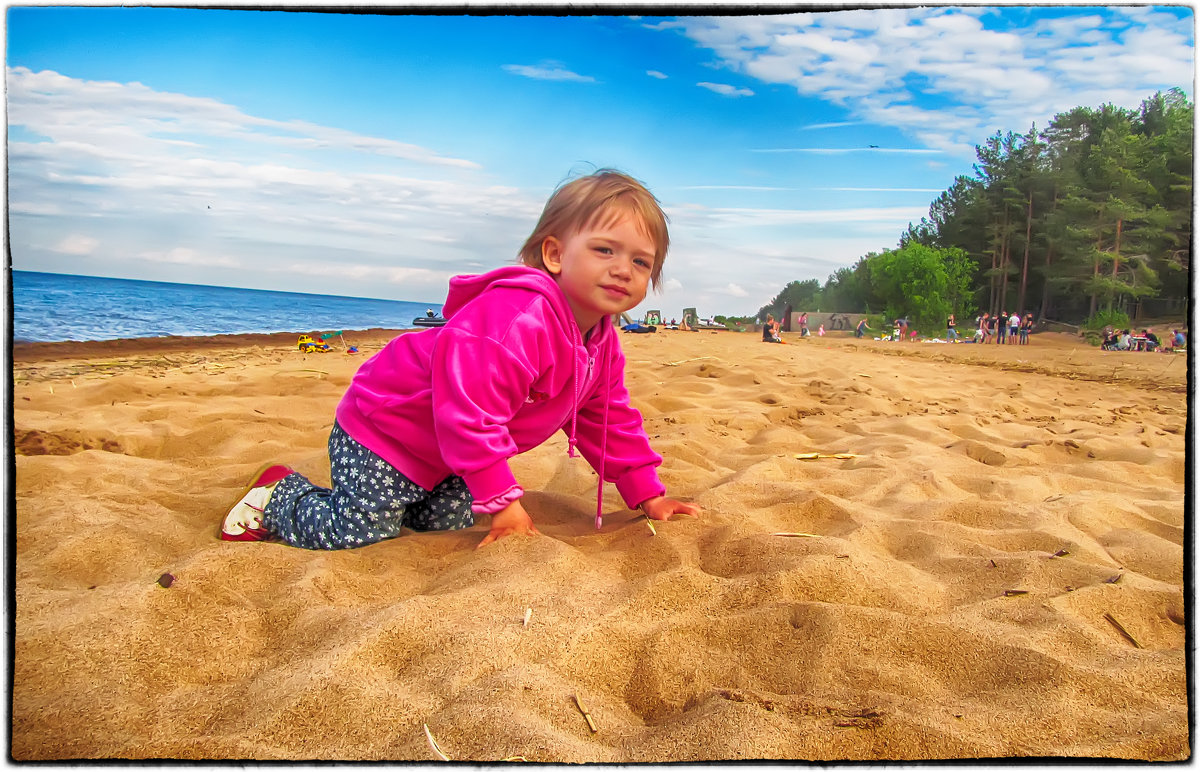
(1003, 328)
(1127, 340)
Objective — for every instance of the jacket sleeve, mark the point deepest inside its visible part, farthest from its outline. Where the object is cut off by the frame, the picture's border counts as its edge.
(627, 458)
(478, 386)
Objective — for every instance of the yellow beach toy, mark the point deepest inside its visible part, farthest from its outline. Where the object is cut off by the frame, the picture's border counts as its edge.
(306, 344)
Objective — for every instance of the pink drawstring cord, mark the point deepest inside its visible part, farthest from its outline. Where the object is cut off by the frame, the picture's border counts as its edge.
(603, 446)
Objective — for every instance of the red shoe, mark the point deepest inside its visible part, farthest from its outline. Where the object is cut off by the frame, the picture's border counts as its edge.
(244, 521)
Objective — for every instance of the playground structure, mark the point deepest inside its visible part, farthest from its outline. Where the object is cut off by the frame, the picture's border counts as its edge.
(832, 321)
(690, 320)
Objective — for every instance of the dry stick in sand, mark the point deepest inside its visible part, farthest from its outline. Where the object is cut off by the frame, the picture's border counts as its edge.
(281, 372)
(681, 361)
(433, 744)
(650, 523)
(1122, 630)
(434, 747)
(528, 614)
(587, 716)
(805, 535)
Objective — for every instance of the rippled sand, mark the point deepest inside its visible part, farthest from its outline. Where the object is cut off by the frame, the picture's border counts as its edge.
(1003, 511)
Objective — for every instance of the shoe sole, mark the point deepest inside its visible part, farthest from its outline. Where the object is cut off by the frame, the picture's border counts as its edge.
(260, 478)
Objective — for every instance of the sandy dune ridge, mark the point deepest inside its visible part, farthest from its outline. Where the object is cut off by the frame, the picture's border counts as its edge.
(959, 594)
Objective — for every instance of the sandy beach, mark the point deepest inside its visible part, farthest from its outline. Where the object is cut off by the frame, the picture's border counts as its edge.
(995, 568)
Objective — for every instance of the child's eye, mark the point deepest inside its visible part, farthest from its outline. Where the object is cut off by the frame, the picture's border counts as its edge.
(642, 262)
(604, 250)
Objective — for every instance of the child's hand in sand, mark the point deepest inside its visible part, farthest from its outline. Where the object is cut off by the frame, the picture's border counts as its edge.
(512, 519)
(661, 508)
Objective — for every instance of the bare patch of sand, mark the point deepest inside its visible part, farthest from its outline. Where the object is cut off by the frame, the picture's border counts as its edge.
(1001, 504)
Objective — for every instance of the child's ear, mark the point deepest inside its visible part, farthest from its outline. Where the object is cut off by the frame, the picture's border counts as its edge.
(552, 250)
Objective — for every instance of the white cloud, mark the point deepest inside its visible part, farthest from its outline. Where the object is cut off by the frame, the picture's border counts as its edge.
(886, 190)
(736, 291)
(834, 125)
(738, 187)
(65, 109)
(189, 256)
(983, 72)
(702, 218)
(77, 245)
(844, 150)
(547, 71)
(242, 192)
(656, 74)
(725, 89)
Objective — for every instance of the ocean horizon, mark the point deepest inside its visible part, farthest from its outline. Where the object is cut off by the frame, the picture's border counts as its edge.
(50, 307)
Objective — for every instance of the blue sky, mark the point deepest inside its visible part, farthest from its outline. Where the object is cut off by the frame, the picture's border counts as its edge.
(378, 155)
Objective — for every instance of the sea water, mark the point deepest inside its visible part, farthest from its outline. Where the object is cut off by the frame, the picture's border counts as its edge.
(58, 307)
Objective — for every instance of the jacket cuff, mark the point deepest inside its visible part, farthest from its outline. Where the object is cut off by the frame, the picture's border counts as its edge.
(640, 484)
(494, 505)
(491, 482)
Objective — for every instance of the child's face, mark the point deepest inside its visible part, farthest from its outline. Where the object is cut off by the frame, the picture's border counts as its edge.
(603, 269)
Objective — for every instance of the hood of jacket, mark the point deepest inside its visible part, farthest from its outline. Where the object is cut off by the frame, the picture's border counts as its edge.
(464, 289)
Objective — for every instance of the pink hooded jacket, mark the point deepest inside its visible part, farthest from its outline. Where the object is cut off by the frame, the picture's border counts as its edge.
(508, 370)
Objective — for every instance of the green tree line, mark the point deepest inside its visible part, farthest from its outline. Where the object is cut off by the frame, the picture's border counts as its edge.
(1091, 214)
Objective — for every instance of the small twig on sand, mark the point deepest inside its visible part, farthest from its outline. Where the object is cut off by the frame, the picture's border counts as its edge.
(433, 744)
(1160, 372)
(799, 535)
(587, 716)
(650, 524)
(1122, 630)
(528, 614)
(682, 361)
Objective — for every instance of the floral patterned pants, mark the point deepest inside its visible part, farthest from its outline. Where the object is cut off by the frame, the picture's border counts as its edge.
(370, 501)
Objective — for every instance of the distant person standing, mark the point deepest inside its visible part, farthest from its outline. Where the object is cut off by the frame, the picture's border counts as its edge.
(804, 324)
(862, 328)
(1026, 328)
(951, 329)
(1001, 322)
(1014, 324)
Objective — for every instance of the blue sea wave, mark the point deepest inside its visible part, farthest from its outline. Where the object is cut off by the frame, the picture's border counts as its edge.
(62, 307)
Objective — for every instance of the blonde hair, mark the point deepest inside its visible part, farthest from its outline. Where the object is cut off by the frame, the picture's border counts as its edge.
(599, 199)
